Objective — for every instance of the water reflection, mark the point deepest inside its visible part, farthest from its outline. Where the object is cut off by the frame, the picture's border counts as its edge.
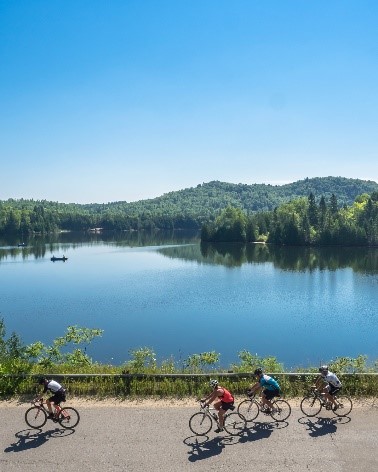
(297, 259)
(38, 246)
(185, 245)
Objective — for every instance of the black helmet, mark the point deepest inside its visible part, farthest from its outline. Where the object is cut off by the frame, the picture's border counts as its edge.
(41, 380)
(258, 371)
(323, 369)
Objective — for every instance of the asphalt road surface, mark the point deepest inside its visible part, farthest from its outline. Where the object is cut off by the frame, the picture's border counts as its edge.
(146, 438)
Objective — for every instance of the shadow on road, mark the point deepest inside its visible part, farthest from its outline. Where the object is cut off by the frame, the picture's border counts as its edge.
(261, 430)
(31, 438)
(202, 447)
(322, 426)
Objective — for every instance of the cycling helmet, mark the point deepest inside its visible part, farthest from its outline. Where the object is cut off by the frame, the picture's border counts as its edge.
(41, 380)
(213, 383)
(258, 371)
(323, 368)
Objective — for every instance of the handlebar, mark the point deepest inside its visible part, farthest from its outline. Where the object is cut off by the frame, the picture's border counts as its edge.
(37, 400)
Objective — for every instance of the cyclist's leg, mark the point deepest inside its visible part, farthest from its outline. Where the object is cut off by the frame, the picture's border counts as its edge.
(222, 411)
(217, 406)
(50, 402)
(327, 394)
(332, 391)
(266, 398)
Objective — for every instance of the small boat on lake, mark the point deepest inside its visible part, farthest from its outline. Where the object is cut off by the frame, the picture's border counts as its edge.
(21, 245)
(64, 258)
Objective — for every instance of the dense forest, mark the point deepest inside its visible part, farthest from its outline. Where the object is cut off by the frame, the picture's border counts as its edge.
(301, 222)
(185, 209)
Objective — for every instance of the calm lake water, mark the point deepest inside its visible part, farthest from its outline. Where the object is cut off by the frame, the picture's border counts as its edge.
(302, 305)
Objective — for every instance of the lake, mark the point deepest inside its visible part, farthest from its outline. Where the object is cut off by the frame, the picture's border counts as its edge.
(303, 305)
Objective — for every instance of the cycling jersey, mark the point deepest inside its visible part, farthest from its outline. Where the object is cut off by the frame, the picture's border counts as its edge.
(53, 386)
(227, 396)
(332, 379)
(269, 383)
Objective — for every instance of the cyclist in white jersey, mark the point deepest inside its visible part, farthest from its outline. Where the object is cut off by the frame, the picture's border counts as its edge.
(58, 391)
(328, 383)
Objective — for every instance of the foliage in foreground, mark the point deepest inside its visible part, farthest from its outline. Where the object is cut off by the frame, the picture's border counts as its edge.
(143, 375)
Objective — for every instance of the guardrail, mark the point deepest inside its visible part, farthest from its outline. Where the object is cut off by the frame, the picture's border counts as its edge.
(241, 375)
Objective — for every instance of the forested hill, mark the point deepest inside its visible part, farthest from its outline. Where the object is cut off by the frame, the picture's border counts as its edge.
(204, 199)
(188, 208)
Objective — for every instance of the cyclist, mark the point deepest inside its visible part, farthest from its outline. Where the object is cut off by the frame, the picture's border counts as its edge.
(271, 389)
(224, 400)
(58, 391)
(328, 383)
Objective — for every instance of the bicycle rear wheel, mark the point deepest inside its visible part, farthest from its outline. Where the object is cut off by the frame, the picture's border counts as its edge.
(249, 409)
(281, 410)
(200, 423)
(310, 405)
(68, 417)
(35, 417)
(344, 407)
(234, 423)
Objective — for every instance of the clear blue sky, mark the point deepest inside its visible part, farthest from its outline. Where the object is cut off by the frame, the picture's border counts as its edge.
(105, 100)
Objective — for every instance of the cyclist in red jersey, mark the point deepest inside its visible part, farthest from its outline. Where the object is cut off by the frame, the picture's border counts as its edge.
(223, 401)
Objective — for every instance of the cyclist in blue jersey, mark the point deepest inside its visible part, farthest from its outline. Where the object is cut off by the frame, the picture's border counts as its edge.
(270, 386)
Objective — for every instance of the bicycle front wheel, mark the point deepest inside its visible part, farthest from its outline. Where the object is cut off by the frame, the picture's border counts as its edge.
(68, 418)
(234, 423)
(344, 406)
(200, 423)
(310, 405)
(249, 409)
(35, 417)
(281, 410)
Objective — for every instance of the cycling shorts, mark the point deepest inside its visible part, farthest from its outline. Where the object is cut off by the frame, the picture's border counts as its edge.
(269, 394)
(59, 396)
(227, 406)
(332, 389)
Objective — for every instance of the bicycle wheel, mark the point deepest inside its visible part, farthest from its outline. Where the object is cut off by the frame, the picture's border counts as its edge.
(68, 417)
(234, 423)
(249, 409)
(344, 407)
(281, 410)
(310, 405)
(200, 423)
(35, 417)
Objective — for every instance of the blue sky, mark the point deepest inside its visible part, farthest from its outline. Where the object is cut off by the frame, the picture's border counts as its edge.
(129, 99)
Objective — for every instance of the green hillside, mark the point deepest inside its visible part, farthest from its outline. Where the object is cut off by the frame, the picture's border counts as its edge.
(187, 208)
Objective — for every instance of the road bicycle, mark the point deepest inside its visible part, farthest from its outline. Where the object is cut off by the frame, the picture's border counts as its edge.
(251, 408)
(314, 401)
(37, 415)
(201, 422)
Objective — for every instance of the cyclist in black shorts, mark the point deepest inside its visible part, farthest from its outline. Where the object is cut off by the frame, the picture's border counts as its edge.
(58, 391)
(328, 383)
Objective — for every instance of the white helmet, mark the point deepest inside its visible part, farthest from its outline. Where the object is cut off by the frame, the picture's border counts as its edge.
(213, 383)
(323, 369)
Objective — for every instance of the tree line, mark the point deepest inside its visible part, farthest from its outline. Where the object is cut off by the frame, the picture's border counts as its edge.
(301, 222)
(185, 209)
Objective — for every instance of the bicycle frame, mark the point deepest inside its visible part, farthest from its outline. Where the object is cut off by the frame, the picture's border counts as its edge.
(321, 397)
(208, 411)
(39, 403)
(251, 407)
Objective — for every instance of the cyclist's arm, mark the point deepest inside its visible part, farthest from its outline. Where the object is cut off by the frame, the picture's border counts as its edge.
(255, 387)
(319, 382)
(210, 398)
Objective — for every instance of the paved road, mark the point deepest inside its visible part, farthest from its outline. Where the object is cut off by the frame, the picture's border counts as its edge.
(144, 439)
